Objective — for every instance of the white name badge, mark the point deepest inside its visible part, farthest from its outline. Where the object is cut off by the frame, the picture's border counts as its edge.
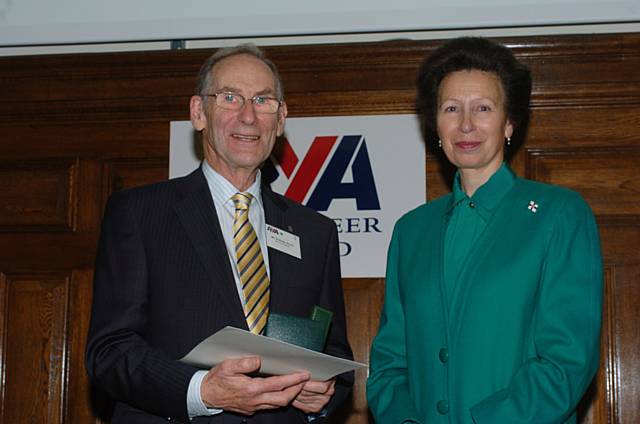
(283, 241)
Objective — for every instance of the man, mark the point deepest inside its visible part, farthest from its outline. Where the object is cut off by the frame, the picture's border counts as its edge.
(170, 270)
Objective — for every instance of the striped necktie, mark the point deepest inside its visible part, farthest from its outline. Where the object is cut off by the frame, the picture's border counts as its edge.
(251, 267)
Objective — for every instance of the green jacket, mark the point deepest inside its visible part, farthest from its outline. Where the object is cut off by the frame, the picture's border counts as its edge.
(520, 341)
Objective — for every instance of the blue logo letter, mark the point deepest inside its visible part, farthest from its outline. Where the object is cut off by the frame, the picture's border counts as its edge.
(330, 186)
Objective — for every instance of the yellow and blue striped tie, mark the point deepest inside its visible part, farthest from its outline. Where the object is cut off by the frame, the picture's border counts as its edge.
(251, 267)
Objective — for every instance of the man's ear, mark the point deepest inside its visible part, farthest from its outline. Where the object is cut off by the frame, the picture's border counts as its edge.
(282, 117)
(196, 113)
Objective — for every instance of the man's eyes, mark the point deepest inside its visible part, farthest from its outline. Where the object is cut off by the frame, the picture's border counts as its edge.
(260, 100)
(230, 98)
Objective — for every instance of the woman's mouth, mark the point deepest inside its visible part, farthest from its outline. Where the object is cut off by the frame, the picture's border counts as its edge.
(467, 145)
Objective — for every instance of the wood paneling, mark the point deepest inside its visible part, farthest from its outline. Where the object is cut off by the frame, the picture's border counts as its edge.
(609, 179)
(34, 347)
(598, 404)
(131, 173)
(77, 127)
(37, 196)
(88, 140)
(363, 301)
(625, 323)
(77, 406)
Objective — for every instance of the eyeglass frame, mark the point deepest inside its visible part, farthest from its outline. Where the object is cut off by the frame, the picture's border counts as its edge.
(244, 101)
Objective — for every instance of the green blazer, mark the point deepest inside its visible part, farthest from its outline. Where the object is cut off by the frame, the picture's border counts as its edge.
(519, 343)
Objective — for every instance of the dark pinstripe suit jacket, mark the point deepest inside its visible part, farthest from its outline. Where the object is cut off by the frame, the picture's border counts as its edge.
(163, 282)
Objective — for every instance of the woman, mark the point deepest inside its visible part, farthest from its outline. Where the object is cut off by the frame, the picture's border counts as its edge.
(493, 292)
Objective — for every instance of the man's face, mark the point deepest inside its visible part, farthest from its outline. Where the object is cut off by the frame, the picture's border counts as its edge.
(238, 142)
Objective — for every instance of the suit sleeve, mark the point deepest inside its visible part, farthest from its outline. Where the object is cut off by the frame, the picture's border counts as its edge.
(387, 387)
(547, 388)
(119, 360)
(332, 298)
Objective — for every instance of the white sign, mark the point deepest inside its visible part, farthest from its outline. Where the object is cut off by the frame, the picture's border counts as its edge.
(364, 172)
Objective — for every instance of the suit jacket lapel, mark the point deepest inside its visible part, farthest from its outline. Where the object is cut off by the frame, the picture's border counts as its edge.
(275, 214)
(197, 214)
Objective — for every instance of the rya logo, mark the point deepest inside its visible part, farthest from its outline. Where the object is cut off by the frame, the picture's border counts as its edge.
(339, 167)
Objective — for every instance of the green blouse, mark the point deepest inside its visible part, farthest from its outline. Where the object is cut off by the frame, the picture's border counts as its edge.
(468, 219)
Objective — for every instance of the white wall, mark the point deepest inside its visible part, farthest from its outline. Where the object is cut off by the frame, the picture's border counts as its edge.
(29, 22)
(328, 38)
(46, 26)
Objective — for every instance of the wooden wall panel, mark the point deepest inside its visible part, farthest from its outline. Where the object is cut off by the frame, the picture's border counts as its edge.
(566, 125)
(597, 404)
(626, 341)
(132, 173)
(608, 178)
(77, 405)
(620, 241)
(96, 123)
(51, 141)
(34, 347)
(37, 196)
(363, 301)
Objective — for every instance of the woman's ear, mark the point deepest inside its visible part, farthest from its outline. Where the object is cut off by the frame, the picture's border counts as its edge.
(508, 129)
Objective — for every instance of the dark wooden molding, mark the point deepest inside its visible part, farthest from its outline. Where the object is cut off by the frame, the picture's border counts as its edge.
(578, 70)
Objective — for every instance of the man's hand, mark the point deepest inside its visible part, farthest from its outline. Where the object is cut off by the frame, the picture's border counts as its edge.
(227, 386)
(314, 396)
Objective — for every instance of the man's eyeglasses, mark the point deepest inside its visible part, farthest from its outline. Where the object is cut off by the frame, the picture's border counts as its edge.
(234, 101)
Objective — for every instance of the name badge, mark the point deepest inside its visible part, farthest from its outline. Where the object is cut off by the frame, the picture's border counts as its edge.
(283, 241)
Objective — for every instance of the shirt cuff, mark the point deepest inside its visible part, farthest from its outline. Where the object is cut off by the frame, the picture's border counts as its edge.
(322, 414)
(195, 405)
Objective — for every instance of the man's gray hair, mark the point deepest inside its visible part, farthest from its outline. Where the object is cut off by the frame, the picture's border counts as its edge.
(206, 77)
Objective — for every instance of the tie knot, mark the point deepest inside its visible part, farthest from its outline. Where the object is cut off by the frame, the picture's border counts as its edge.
(242, 201)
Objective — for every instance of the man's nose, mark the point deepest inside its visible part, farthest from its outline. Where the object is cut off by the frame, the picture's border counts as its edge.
(247, 113)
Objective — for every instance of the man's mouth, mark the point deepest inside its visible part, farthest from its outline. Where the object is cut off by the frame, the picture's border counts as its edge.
(246, 137)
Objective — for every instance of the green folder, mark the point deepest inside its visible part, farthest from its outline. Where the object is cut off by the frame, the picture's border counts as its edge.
(310, 333)
(324, 316)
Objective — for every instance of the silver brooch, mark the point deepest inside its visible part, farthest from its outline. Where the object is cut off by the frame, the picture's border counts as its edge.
(533, 206)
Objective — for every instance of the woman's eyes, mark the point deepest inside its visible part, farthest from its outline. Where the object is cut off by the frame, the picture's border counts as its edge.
(483, 107)
(478, 108)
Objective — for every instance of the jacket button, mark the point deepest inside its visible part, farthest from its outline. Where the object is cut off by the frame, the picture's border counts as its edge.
(472, 205)
(443, 407)
(443, 355)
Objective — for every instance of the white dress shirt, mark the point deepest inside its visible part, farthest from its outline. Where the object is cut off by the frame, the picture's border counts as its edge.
(221, 191)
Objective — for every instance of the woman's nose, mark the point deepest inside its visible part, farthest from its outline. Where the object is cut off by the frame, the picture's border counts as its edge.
(466, 123)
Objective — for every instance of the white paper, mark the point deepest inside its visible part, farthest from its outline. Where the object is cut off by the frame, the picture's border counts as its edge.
(278, 358)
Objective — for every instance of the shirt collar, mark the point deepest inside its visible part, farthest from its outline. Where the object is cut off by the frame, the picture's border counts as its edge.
(222, 189)
(487, 196)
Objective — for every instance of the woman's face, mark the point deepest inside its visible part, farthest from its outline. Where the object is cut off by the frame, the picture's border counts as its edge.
(472, 120)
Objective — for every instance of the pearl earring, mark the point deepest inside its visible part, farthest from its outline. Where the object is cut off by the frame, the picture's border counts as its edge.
(440, 144)
(508, 141)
